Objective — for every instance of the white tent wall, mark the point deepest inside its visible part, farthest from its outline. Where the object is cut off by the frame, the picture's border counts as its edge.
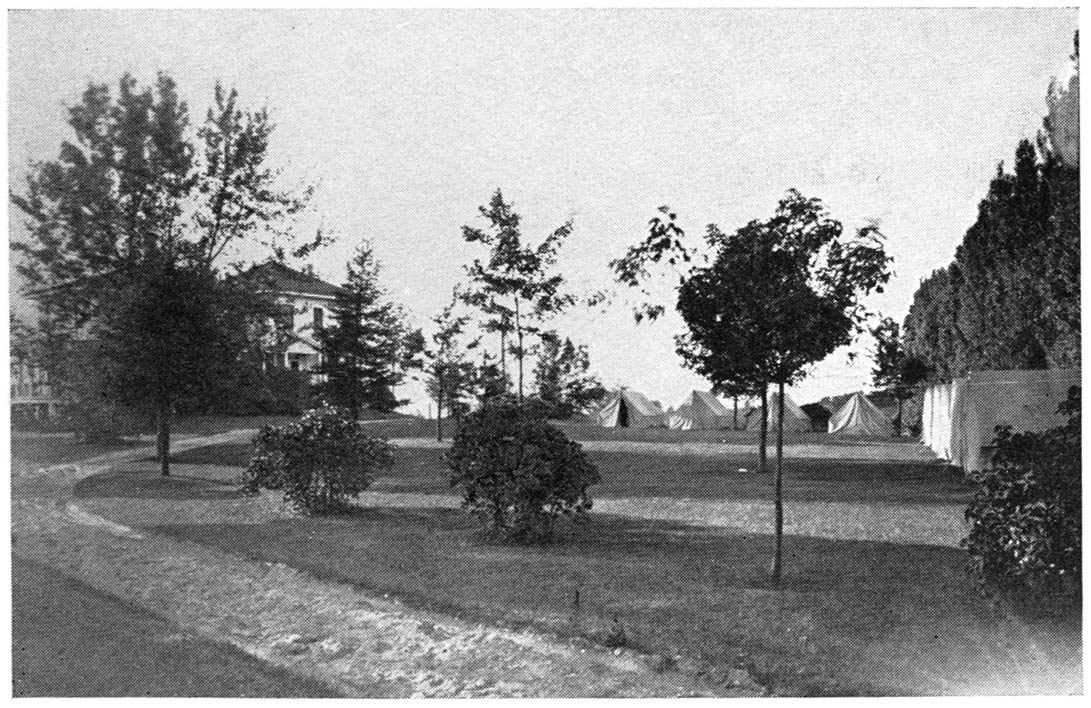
(794, 417)
(859, 416)
(700, 411)
(631, 410)
(959, 418)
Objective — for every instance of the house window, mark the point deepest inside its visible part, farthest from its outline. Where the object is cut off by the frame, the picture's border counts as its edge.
(294, 364)
(318, 317)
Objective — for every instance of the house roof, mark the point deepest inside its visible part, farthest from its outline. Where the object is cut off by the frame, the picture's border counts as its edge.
(277, 277)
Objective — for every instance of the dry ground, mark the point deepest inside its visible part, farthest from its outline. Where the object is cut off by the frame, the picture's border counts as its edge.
(69, 639)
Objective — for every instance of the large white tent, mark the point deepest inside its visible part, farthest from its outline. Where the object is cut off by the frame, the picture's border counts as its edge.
(794, 417)
(700, 411)
(859, 416)
(629, 409)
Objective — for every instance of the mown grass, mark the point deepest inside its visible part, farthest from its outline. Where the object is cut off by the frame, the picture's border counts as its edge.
(627, 474)
(69, 639)
(850, 617)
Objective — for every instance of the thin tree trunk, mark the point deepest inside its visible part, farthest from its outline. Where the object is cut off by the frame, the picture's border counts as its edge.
(735, 414)
(779, 494)
(163, 439)
(503, 354)
(439, 409)
(764, 427)
(519, 355)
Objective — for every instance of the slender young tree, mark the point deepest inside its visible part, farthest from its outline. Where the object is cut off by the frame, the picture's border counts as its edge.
(517, 287)
(896, 371)
(766, 302)
(781, 294)
(449, 372)
(364, 348)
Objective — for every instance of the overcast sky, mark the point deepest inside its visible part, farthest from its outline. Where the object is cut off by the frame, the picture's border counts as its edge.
(410, 120)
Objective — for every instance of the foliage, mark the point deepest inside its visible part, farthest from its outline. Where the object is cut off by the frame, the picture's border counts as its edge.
(768, 301)
(561, 377)
(490, 380)
(134, 207)
(1025, 516)
(1011, 298)
(896, 371)
(664, 242)
(366, 348)
(517, 472)
(319, 462)
(450, 375)
(517, 287)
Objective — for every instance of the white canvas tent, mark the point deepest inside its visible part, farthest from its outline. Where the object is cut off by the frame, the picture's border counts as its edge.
(629, 409)
(859, 416)
(794, 417)
(700, 411)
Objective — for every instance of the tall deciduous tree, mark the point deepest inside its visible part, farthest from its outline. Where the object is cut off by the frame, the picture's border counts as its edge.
(365, 349)
(1011, 298)
(896, 371)
(517, 287)
(134, 205)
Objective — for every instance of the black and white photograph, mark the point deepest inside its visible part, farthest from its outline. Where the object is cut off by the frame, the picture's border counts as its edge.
(633, 352)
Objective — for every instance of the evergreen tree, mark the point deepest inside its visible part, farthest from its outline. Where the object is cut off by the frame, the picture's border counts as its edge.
(365, 348)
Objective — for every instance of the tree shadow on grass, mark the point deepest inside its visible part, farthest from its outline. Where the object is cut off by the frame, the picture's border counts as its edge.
(850, 617)
(145, 482)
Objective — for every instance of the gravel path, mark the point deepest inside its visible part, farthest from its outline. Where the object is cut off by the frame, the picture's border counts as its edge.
(325, 630)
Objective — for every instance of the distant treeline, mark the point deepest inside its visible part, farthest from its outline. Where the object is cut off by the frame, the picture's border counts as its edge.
(1011, 298)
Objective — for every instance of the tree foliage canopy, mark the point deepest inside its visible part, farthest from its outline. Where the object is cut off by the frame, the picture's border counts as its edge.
(1011, 297)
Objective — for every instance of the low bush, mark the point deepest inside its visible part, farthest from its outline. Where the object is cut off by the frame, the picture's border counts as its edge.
(320, 462)
(517, 472)
(1025, 516)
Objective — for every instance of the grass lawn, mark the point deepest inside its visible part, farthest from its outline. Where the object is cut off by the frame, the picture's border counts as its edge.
(850, 618)
(625, 474)
(853, 617)
(69, 639)
(42, 452)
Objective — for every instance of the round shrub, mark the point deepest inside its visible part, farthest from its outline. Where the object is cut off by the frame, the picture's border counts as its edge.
(1025, 516)
(319, 462)
(517, 472)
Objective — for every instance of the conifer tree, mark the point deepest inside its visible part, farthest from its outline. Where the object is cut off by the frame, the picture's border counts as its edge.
(365, 348)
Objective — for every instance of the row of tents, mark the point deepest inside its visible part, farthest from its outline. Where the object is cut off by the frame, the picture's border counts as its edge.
(702, 410)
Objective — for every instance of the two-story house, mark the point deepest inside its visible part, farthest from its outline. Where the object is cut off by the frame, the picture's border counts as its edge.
(306, 301)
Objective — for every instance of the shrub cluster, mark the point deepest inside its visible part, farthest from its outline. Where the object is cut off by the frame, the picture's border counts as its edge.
(319, 462)
(518, 473)
(1025, 516)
